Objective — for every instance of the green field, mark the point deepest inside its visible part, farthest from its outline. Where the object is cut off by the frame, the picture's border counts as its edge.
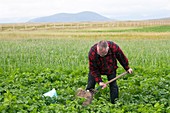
(33, 62)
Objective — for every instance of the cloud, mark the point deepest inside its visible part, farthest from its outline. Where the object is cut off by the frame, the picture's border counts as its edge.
(111, 8)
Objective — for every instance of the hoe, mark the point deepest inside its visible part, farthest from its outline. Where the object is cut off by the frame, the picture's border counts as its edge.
(88, 95)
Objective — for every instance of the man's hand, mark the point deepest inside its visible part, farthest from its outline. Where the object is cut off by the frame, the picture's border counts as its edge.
(103, 85)
(130, 71)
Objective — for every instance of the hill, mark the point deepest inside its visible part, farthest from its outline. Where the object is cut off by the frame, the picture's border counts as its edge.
(85, 16)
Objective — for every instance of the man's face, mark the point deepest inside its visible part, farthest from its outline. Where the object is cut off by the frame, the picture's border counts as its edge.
(103, 51)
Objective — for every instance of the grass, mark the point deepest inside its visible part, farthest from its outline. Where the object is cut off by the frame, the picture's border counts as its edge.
(39, 53)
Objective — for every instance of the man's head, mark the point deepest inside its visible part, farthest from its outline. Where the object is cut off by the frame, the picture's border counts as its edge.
(102, 48)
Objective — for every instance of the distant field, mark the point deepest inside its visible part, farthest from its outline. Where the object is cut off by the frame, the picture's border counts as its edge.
(33, 62)
(140, 29)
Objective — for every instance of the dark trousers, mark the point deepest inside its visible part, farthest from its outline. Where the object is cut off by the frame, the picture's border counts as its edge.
(114, 91)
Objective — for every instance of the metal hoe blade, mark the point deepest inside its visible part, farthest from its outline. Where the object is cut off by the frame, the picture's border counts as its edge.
(85, 94)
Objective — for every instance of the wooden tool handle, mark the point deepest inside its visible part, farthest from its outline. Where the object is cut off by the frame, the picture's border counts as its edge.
(99, 87)
(116, 77)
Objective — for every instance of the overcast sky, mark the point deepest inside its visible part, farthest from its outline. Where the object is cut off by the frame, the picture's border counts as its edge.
(114, 9)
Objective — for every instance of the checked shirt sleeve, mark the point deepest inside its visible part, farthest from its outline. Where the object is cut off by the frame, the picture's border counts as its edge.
(93, 66)
(122, 58)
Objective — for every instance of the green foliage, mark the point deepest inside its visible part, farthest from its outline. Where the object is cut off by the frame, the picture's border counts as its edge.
(31, 67)
(164, 28)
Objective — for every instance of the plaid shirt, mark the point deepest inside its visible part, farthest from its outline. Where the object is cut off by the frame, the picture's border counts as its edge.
(106, 65)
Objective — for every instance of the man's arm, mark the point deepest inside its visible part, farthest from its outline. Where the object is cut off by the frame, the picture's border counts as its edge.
(122, 58)
(93, 67)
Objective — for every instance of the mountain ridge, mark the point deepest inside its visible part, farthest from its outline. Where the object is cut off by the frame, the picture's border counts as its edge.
(85, 16)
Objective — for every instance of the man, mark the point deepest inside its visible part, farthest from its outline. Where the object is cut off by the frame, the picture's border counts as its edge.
(103, 58)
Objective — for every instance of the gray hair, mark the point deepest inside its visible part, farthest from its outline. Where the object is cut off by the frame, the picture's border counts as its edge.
(102, 44)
